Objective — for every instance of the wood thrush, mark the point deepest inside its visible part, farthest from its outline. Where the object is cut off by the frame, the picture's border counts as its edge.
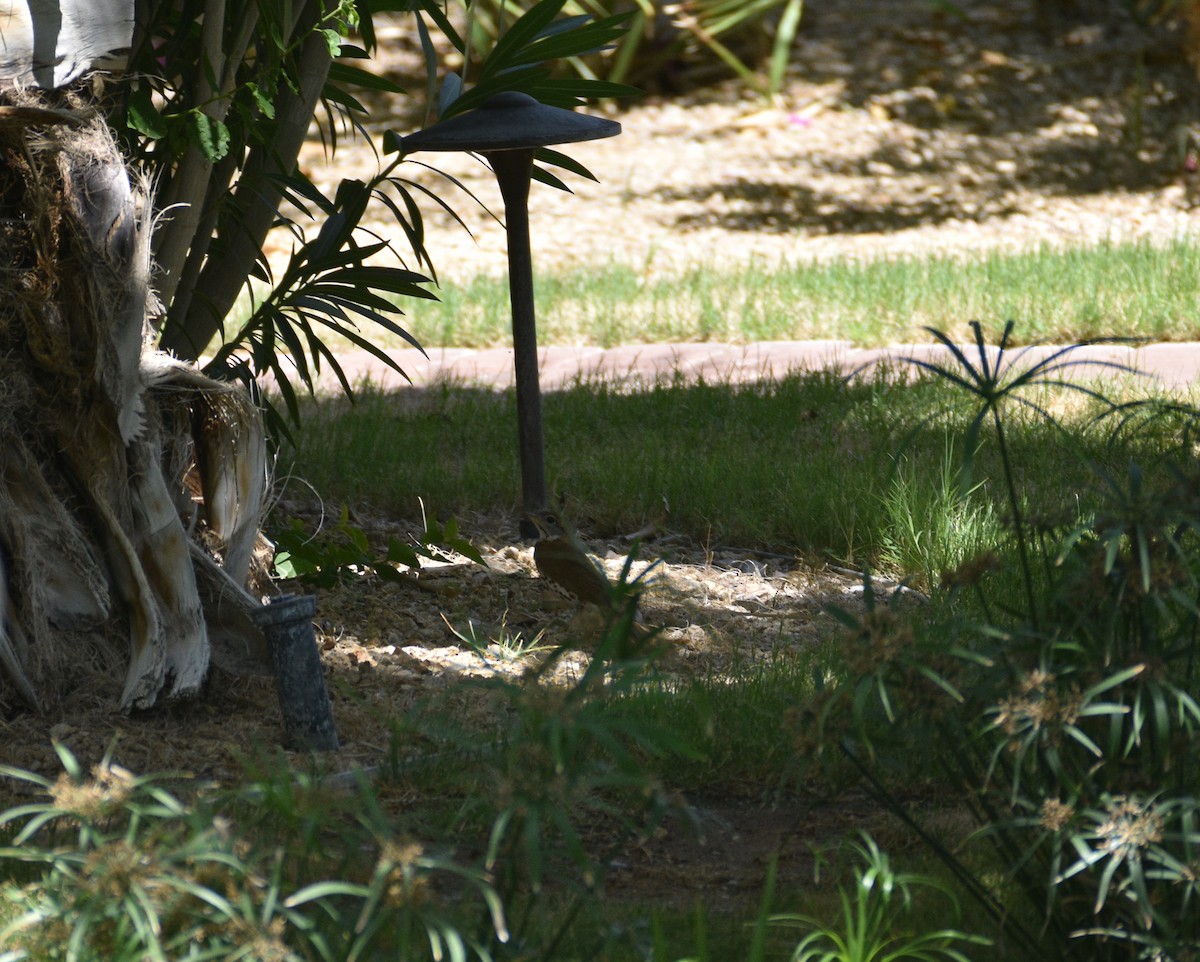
(562, 561)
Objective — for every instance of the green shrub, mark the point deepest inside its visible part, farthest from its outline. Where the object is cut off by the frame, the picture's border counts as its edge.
(120, 868)
(874, 922)
(675, 47)
(1064, 713)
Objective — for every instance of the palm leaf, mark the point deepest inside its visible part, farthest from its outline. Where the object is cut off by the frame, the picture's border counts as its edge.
(524, 31)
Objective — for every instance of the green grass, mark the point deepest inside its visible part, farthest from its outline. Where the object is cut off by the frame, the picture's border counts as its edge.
(226, 844)
(866, 471)
(1131, 290)
(860, 471)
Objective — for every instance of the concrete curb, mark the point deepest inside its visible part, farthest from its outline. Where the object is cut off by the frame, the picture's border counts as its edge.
(1174, 366)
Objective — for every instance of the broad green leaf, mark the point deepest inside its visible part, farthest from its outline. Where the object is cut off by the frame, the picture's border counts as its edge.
(451, 91)
(343, 73)
(211, 136)
(523, 32)
(785, 36)
(557, 159)
(543, 176)
(581, 88)
(339, 95)
(400, 553)
(580, 42)
(143, 116)
(265, 104)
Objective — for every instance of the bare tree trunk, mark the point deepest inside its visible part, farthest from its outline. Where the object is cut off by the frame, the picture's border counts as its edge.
(190, 183)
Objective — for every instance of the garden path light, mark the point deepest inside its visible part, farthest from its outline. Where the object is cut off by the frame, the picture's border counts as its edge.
(507, 129)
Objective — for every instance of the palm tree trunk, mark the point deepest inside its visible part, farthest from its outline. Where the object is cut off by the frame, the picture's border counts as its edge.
(197, 312)
(117, 465)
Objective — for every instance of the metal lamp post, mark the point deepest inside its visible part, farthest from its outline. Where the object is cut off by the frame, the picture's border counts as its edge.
(506, 129)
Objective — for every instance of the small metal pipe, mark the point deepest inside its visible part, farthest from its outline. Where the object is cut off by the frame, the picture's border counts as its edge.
(299, 680)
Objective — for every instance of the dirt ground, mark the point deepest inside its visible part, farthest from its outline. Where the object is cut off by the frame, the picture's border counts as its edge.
(901, 130)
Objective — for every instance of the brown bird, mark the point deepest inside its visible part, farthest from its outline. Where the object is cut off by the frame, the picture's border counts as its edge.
(562, 561)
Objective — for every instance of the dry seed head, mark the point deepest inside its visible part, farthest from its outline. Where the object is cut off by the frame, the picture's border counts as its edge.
(1131, 825)
(116, 868)
(1038, 706)
(1037, 680)
(108, 790)
(1056, 815)
(265, 943)
(404, 885)
(883, 636)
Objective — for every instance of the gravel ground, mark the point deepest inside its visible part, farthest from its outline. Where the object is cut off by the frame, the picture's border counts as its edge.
(900, 131)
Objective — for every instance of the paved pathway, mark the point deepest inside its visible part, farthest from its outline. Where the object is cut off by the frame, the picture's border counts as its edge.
(1175, 365)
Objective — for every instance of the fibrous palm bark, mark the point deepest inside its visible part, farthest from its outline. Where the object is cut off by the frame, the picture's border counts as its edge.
(124, 474)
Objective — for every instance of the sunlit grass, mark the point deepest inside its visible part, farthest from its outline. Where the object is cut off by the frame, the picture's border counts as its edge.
(1134, 289)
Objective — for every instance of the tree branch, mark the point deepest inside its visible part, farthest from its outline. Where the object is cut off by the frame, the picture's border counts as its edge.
(253, 206)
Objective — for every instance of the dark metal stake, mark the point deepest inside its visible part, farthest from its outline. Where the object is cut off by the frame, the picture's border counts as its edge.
(299, 681)
(506, 129)
(513, 169)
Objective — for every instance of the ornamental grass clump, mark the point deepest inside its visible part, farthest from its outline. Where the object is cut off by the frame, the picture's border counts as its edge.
(110, 866)
(1054, 686)
(875, 921)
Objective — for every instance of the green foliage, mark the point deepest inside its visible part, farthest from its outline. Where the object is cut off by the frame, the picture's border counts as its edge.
(328, 283)
(678, 46)
(1067, 716)
(994, 380)
(732, 718)
(508, 646)
(216, 108)
(520, 56)
(880, 918)
(931, 527)
(344, 552)
(126, 870)
(214, 111)
(545, 789)
(874, 924)
(1073, 740)
(817, 456)
(565, 764)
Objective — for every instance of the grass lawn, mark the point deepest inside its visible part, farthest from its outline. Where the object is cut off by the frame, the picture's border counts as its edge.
(870, 472)
(866, 471)
(1137, 289)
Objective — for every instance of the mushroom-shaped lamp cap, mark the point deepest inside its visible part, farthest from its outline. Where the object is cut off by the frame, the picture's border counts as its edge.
(510, 120)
